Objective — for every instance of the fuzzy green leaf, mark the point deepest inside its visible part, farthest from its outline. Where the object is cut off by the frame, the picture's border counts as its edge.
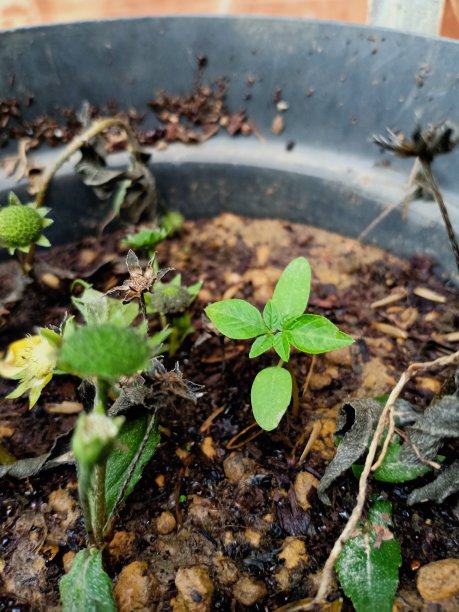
(368, 565)
(87, 588)
(97, 308)
(281, 345)
(195, 288)
(105, 351)
(146, 239)
(168, 298)
(157, 340)
(271, 395)
(236, 319)
(261, 345)
(315, 334)
(130, 438)
(291, 293)
(272, 317)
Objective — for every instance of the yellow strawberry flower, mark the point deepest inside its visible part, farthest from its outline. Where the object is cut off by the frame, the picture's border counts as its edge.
(32, 361)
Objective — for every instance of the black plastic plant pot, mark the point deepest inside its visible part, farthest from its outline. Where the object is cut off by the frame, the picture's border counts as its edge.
(342, 84)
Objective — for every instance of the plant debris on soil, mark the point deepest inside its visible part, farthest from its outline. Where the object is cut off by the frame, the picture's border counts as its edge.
(221, 521)
(190, 118)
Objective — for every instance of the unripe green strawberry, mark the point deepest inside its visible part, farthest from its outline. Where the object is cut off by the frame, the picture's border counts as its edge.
(21, 225)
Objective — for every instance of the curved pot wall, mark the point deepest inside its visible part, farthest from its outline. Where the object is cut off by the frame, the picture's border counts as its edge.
(342, 83)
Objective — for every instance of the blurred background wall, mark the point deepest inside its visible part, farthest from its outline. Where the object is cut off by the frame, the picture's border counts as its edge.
(15, 13)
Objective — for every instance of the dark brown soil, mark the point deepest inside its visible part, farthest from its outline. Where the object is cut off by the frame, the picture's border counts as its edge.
(234, 508)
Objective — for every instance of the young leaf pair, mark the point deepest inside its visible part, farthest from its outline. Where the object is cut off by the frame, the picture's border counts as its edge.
(282, 325)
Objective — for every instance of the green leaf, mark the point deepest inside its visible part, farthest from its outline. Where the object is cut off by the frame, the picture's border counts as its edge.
(195, 288)
(172, 222)
(291, 293)
(271, 395)
(392, 469)
(281, 345)
(98, 308)
(169, 298)
(315, 334)
(87, 588)
(130, 438)
(146, 239)
(368, 565)
(13, 199)
(261, 345)
(272, 316)
(105, 351)
(156, 341)
(236, 319)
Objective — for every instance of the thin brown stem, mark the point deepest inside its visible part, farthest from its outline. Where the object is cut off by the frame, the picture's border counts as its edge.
(422, 459)
(96, 128)
(236, 441)
(295, 394)
(435, 189)
(309, 375)
(312, 438)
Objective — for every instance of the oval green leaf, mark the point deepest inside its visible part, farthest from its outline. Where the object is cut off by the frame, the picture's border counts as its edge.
(392, 469)
(236, 319)
(119, 474)
(87, 586)
(271, 395)
(261, 345)
(368, 565)
(291, 293)
(281, 345)
(272, 317)
(315, 334)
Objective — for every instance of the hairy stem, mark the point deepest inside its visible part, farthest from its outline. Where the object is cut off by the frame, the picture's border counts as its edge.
(100, 401)
(84, 483)
(99, 503)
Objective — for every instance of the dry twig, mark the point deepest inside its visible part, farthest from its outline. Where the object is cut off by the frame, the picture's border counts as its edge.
(312, 438)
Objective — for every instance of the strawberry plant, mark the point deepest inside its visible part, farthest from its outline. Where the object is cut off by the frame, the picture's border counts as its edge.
(282, 325)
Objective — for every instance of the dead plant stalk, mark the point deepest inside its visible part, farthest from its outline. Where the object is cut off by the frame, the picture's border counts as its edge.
(387, 415)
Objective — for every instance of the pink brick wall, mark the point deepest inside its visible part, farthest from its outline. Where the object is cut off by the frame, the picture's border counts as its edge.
(14, 13)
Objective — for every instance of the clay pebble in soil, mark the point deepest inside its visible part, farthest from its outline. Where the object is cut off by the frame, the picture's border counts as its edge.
(439, 580)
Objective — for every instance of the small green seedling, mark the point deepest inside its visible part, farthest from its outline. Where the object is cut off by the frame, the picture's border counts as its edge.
(148, 239)
(110, 451)
(283, 325)
(103, 353)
